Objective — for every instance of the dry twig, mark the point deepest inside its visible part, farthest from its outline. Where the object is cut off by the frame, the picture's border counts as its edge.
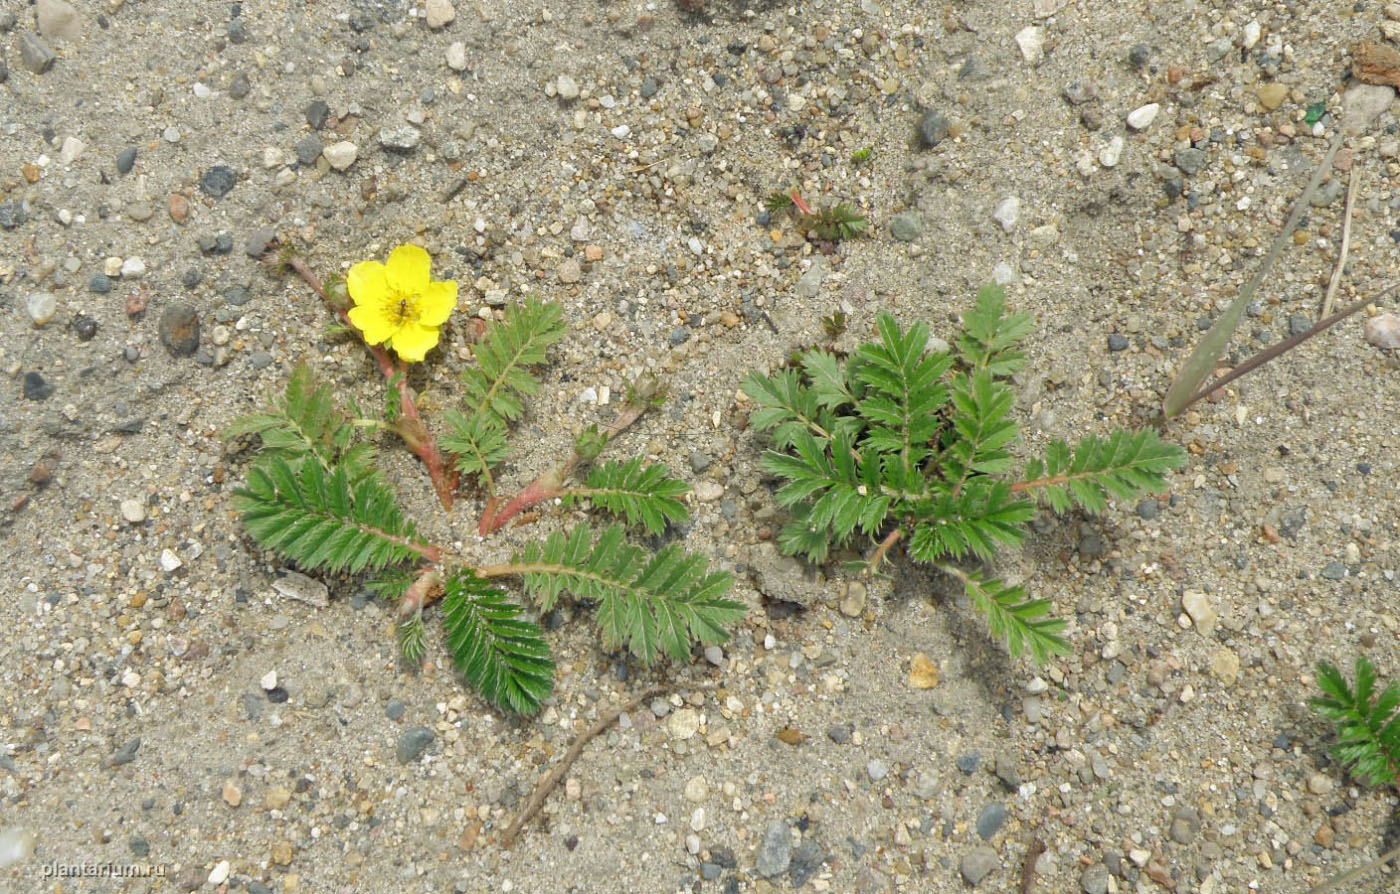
(1346, 244)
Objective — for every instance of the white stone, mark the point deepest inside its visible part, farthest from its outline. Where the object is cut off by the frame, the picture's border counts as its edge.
(683, 724)
(202, 90)
(171, 134)
(131, 679)
(697, 819)
(133, 511)
(341, 155)
(1142, 116)
(41, 307)
(269, 680)
(16, 845)
(621, 131)
(220, 873)
(57, 20)
(1383, 331)
(169, 561)
(439, 13)
(1007, 212)
(70, 150)
(1362, 104)
(457, 56)
(566, 87)
(1031, 40)
(1251, 34)
(273, 157)
(1202, 613)
(708, 491)
(697, 789)
(112, 266)
(1112, 152)
(133, 268)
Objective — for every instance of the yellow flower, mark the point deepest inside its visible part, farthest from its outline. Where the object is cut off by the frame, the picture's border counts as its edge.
(398, 305)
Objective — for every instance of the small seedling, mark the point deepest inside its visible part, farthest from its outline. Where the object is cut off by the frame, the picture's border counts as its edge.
(315, 495)
(1368, 735)
(903, 445)
(832, 224)
(862, 155)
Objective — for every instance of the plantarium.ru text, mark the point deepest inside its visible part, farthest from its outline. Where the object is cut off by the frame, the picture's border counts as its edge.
(912, 446)
(316, 496)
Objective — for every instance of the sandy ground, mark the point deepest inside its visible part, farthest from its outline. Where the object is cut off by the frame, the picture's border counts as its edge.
(614, 157)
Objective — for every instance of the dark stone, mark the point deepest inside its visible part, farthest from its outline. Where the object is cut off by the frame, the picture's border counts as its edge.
(395, 709)
(4, 71)
(723, 856)
(1190, 161)
(413, 742)
(278, 695)
(710, 871)
(258, 241)
(217, 181)
(126, 753)
(977, 864)
(1298, 324)
(260, 360)
(240, 86)
(969, 762)
(35, 387)
(139, 846)
(840, 733)
(649, 87)
(1139, 54)
(774, 850)
(806, 860)
(1117, 342)
(308, 149)
(12, 215)
(84, 327)
(1077, 92)
(100, 283)
(1008, 772)
(238, 296)
(1092, 545)
(1147, 508)
(990, 820)
(699, 461)
(1186, 825)
(237, 31)
(317, 111)
(34, 53)
(933, 129)
(1331, 571)
(125, 159)
(179, 330)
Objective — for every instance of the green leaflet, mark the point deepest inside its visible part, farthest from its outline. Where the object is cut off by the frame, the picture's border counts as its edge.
(503, 656)
(644, 495)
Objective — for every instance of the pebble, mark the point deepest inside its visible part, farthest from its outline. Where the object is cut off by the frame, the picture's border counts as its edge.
(1143, 116)
(810, 282)
(220, 873)
(178, 207)
(258, 242)
(990, 820)
(34, 53)
(1190, 161)
(41, 307)
(268, 681)
(217, 181)
(1320, 784)
(683, 724)
(399, 137)
(1334, 571)
(412, 743)
(968, 762)
(342, 155)
(1203, 614)
(12, 214)
(1383, 331)
(1186, 825)
(179, 330)
(70, 151)
(1147, 508)
(774, 850)
(140, 211)
(169, 562)
(316, 113)
(457, 56)
(133, 511)
(126, 753)
(923, 673)
(1008, 212)
(839, 733)
(569, 272)
(125, 159)
(240, 86)
(1272, 95)
(696, 789)
(1112, 153)
(933, 129)
(708, 491)
(566, 88)
(1031, 40)
(1362, 104)
(1117, 342)
(876, 769)
(906, 226)
(439, 13)
(806, 860)
(714, 655)
(35, 387)
(1094, 879)
(977, 864)
(84, 327)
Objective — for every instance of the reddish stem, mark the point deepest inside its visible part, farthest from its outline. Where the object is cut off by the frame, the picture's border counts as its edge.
(801, 205)
(411, 428)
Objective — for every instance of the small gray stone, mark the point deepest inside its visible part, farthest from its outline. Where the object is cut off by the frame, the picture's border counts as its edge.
(977, 864)
(1219, 48)
(877, 769)
(401, 137)
(906, 226)
(1117, 342)
(395, 709)
(990, 820)
(1094, 880)
(217, 181)
(1008, 772)
(1078, 92)
(34, 53)
(1190, 161)
(240, 86)
(1147, 508)
(258, 241)
(839, 733)
(308, 149)
(317, 111)
(699, 461)
(35, 387)
(413, 742)
(12, 215)
(125, 159)
(774, 850)
(100, 283)
(810, 283)
(139, 846)
(806, 860)
(649, 87)
(1298, 324)
(1186, 825)
(566, 88)
(179, 330)
(41, 307)
(969, 762)
(933, 129)
(1139, 54)
(1334, 571)
(126, 753)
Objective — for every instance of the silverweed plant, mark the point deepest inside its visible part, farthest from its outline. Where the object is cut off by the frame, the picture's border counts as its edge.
(316, 497)
(910, 446)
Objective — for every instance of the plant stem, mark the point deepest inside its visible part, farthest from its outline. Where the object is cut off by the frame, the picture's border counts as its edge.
(1346, 244)
(1337, 880)
(1288, 344)
(551, 483)
(878, 556)
(412, 430)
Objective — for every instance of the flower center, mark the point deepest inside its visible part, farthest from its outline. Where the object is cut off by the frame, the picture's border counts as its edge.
(403, 308)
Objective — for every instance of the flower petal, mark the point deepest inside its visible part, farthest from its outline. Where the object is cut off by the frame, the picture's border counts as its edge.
(413, 341)
(407, 269)
(374, 324)
(366, 283)
(436, 301)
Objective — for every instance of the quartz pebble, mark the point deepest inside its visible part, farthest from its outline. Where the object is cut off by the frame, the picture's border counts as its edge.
(341, 155)
(41, 307)
(1383, 331)
(133, 511)
(1143, 116)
